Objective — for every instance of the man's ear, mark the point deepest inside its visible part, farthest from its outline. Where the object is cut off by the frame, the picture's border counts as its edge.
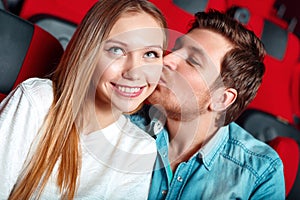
(222, 99)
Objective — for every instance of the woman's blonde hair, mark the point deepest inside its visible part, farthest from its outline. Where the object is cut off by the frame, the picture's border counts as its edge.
(58, 137)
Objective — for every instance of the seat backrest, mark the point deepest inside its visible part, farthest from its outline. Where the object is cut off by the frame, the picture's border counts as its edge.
(284, 139)
(179, 13)
(177, 25)
(265, 126)
(283, 50)
(26, 51)
(295, 95)
(1, 5)
(288, 151)
(274, 95)
(60, 18)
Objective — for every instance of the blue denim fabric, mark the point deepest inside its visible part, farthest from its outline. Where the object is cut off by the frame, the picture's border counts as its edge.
(232, 165)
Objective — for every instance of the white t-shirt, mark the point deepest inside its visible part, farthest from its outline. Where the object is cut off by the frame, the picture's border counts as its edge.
(117, 161)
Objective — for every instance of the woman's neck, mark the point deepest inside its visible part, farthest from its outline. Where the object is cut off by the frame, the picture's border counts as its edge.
(96, 117)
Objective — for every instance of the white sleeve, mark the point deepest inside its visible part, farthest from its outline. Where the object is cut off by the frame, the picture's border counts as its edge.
(19, 124)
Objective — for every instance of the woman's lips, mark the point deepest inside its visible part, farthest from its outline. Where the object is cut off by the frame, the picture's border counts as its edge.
(128, 91)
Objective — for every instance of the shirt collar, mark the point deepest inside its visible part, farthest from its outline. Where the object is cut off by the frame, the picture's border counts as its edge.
(209, 151)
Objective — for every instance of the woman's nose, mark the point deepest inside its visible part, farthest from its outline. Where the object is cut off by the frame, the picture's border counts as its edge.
(131, 69)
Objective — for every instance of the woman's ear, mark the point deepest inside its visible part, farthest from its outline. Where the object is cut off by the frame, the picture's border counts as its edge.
(223, 98)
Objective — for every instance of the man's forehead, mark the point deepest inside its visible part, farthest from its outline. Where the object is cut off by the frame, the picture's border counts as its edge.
(189, 43)
(214, 45)
(192, 46)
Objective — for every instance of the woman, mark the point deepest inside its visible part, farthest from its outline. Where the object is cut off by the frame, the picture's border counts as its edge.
(66, 138)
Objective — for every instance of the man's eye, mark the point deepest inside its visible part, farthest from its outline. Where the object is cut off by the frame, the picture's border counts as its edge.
(151, 54)
(193, 62)
(117, 51)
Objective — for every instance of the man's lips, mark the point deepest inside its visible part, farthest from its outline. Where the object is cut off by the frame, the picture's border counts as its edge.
(128, 91)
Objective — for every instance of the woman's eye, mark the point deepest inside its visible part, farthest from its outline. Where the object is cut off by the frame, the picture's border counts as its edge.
(151, 54)
(117, 51)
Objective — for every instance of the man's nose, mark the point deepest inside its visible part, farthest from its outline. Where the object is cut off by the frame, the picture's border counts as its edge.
(171, 61)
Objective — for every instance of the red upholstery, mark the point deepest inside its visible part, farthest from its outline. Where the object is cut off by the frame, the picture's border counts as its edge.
(28, 52)
(264, 9)
(42, 56)
(295, 95)
(70, 10)
(288, 151)
(178, 19)
(283, 48)
(60, 18)
(274, 95)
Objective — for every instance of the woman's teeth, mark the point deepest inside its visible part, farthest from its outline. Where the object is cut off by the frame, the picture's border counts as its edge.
(128, 89)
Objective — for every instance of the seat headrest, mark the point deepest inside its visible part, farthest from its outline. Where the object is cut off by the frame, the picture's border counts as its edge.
(15, 38)
(26, 51)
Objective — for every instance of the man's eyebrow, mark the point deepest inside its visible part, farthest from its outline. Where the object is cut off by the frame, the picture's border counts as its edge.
(179, 40)
(191, 45)
(197, 50)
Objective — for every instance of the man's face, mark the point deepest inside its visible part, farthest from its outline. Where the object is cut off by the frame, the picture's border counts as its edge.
(189, 72)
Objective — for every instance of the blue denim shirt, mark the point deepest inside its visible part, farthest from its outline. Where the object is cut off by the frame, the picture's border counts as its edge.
(232, 165)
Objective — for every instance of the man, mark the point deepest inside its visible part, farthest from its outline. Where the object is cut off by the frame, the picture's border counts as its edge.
(210, 77)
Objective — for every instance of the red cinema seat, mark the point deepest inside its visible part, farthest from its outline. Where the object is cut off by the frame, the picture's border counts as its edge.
(179, 13)
(266, 10)
(26, 51)
(284, 139)
(274, 95)
(288, 150)
(60, 18)
(295, 95)
(177, 19)
(282, 46)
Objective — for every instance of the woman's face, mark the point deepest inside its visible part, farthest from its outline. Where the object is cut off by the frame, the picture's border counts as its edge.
(130, 63)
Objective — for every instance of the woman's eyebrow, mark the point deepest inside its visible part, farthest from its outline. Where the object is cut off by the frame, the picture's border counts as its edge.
(114, 41)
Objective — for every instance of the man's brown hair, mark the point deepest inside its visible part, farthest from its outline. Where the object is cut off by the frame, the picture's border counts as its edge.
(242, 67)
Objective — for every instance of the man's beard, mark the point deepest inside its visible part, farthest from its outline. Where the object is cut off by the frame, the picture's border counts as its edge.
(180, 109)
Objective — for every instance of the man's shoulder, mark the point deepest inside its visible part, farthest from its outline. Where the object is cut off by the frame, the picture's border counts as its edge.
(248, 151)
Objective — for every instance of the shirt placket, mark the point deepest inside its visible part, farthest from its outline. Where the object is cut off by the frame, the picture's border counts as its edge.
(179, 180)
(161, 178)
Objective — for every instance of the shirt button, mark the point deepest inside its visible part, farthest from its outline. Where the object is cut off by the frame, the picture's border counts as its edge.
(164, 192)
(165, 154)
(179, 179)
(157, 127)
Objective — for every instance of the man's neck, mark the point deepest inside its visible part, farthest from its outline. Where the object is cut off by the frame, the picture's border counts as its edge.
(187, 137)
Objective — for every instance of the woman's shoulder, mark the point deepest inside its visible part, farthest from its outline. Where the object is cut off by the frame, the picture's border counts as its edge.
(36, 84)
(38, 90)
